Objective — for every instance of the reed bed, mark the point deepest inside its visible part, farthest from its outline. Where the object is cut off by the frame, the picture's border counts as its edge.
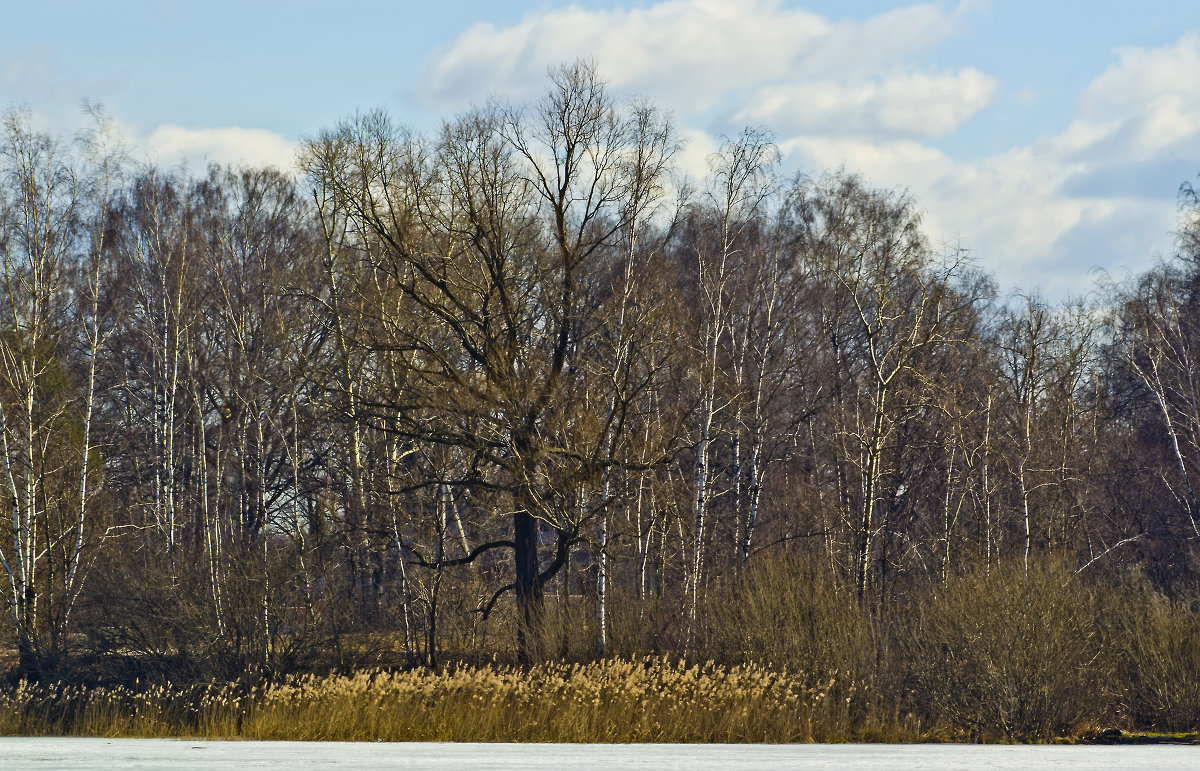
(645, 700)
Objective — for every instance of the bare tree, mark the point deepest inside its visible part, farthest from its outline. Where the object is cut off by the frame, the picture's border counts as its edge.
(486, 240)
(894, 303)
(45, 468)
(740, 186)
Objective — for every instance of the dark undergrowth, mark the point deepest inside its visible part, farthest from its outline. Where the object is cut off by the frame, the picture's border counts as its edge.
(786, 654)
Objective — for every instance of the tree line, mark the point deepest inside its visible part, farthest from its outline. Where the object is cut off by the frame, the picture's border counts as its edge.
(517, 388)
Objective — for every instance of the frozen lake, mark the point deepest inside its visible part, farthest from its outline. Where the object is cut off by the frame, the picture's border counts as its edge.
(43, 753)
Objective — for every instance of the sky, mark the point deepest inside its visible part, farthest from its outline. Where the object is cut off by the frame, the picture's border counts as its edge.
(1046, 138)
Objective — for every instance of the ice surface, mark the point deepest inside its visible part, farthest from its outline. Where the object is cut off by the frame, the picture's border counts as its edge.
(44, 753)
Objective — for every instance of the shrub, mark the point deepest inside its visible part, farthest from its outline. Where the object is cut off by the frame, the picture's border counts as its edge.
(1152, 641)
(1008, 652)
(794, 613)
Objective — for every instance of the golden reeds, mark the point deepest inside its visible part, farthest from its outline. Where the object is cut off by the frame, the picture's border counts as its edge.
(645, 700)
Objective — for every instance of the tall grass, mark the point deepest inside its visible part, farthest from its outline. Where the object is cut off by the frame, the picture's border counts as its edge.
(647, 700)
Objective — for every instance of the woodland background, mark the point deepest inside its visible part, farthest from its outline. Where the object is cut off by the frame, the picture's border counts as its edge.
(517, 391)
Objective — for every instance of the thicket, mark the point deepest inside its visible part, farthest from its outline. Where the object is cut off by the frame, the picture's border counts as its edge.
(517, 392)
(1004, 654)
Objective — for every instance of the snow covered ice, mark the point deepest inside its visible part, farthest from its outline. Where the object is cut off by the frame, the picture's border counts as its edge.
(72, 753)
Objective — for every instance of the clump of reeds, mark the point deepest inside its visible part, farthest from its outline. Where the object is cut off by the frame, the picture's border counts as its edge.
(646, 700)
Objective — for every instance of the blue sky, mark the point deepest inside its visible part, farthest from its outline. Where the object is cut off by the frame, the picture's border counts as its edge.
(1048, 138)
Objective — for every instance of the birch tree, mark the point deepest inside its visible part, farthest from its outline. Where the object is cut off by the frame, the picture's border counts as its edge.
(740, 184)
(45, 464)
(897, 303)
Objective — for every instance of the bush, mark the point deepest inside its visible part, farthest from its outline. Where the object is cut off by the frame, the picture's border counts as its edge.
(1006, 653)
(792, 613)
(1153, 643)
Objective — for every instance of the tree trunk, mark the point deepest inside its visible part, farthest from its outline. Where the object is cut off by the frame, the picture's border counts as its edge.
(528, 588)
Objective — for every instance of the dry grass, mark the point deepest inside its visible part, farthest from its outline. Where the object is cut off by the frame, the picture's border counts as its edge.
(649, 700)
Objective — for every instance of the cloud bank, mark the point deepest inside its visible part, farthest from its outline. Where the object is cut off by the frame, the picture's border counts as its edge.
(755, 61)
(170, 144)
(1098, 192)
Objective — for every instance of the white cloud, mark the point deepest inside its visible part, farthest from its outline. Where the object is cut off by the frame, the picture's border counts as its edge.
(1011, 210)
(1170, 69)
(698, 148)
(170, 144)
(847, 93)
(691, 54)
(1145, 104)
(1097, 194)
(1007, 201)
(915, 105)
